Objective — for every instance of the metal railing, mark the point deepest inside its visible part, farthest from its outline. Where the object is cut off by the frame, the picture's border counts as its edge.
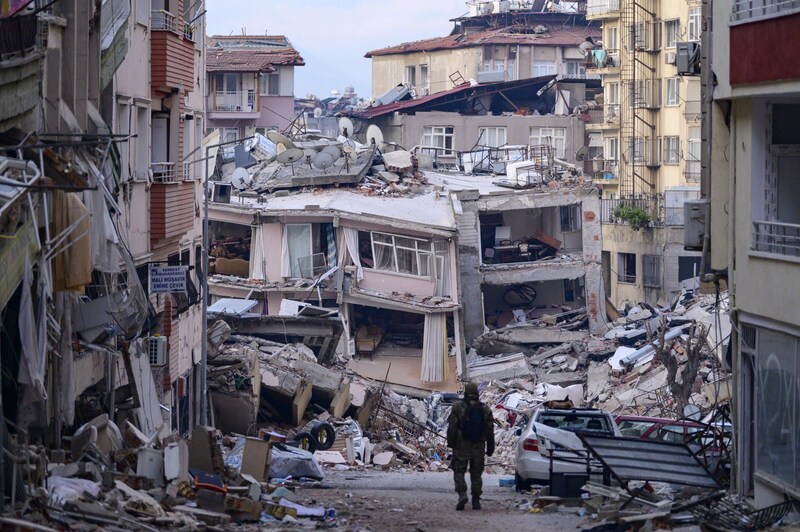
(605, 169)
(164, 172)
(611, 112)
(18, 34)
(601, 7)
(610, 209)
(233, 101)
(776, 237)
(163, 20)
(750, 10)
(692, 110)
(188, 32)
(595, 115)
(187, 171)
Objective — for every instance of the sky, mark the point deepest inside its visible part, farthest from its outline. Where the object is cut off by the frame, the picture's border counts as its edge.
(333, 36)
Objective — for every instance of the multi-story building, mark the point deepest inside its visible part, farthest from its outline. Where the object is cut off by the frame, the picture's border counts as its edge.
(752, 159)
(496, 41)
(250, 81)
(648, 127)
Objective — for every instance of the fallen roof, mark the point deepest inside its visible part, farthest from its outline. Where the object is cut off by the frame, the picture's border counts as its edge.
(556, 36)
(448, 100)
(250, 53)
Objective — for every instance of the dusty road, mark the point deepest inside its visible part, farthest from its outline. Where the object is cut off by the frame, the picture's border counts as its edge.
(368, 500)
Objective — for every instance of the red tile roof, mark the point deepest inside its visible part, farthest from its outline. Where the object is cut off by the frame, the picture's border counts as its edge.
(556, 36)
(250, 53)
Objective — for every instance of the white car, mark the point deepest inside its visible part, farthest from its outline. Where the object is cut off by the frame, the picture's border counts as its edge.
(532, 465)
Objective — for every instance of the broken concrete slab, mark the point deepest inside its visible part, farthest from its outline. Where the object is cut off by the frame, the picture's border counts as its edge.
(398, 161)
(525, 334)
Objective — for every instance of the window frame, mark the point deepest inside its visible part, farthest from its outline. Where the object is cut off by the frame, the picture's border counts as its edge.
(672, 97)
(570, 218)
(547, 64)
(488, 130)
(672, 27)
(431, 267)
(672, 150)
(557, 142)
(623, 274)
(694, 25)
(651, 266)
(431, 133)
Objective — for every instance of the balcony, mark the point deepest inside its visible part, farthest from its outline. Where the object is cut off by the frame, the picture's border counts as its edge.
(602, 117)
(172, 54)
(749, 11)
(692, 110)
(172, 202)
(605, 172)
(776, 238)
(602, 9)
(242, 105)
(603, 61)
(610, 209)
(21, 61)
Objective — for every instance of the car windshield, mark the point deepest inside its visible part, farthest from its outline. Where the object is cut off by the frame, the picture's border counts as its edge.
(634, 428)
(576, 422)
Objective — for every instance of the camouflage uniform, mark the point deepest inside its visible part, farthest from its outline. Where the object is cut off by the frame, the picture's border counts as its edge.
(467, 453)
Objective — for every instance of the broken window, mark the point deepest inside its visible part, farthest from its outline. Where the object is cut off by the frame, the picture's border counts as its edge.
(437, 139)
(626, 267)
(494, 137)
(570, 217)
(311, 248)
(652, 271)
(549, 136)
(400, 254)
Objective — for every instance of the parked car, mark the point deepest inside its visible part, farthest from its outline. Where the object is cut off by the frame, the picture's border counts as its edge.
(532, 464)
(655, 428)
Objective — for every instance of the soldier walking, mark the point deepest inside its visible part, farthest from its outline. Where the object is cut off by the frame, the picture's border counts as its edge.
(470, 433)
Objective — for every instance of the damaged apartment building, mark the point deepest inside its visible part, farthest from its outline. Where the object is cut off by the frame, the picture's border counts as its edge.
(101, 115)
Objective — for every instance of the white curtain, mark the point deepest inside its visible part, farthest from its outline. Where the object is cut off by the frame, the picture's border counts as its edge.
(384, 257)
(442, 253)
(351, 241)
(258, 261)
(434, 348)
(298, 243)
(286, 269)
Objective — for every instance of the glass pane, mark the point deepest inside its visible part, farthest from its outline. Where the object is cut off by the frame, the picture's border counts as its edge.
(298, 238)
(405, 242)
(407, 261)
(380, 237)
(425, 264)
(776, 419)
(384, 257)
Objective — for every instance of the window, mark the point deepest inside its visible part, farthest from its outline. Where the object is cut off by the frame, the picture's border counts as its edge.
(672, 30)
(181, 301)
(400, 254)
(574, 69)
(612, 40)
(695, 26)
(228, 134)
(612, 149)
(411, 75)
(626, 267)
(673, 92)
(637, 149)
(784, 153)
(688, 268)
(437, 137)
(424, 79)
(549, 136)
(570, 218)
(672, 150)
(142, 142)
(543, 68)
(311, 249)
(638, 35)
(494, 137)
(775, 377)
(652, 271)
(270, 84)
(693, 144)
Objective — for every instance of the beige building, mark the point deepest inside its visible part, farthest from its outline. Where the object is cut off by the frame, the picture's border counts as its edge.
(648, 126)
(753, 166)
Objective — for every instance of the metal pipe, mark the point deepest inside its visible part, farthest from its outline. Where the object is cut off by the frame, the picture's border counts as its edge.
(649, 349)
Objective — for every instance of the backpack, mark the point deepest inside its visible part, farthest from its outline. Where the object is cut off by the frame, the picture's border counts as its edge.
(474, 424)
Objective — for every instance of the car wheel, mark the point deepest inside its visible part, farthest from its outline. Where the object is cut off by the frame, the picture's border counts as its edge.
(520, 483)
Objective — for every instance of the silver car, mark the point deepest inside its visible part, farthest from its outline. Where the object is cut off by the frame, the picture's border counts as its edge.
(532, 465)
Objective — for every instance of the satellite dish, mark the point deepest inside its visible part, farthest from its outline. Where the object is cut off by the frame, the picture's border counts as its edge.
(691, 412)
(290, 156)
(309, 154)
(374, 135)
(334, 151)
(280, 148)
(279, 138)
(581, 154)
(346, 127)
(240, 179)
(322, 161)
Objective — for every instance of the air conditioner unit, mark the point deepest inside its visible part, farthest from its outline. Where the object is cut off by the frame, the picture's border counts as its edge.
(669, 58)
(688, 58)
(695, 214)
(157, 350)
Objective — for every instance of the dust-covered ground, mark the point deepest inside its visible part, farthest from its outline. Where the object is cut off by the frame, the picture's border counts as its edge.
(369, 500)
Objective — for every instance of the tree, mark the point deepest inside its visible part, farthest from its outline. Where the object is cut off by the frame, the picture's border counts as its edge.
(694, 348)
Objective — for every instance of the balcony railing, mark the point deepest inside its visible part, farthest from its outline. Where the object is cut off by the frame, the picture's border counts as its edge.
(188, 31)
(187, 171)
(18, 35)
(692, 110)
(602, 58)
(601, 7)
(610, 209)
(163, 20)
(750, 10)
(164, 172)
(234, 101)
(606, 170)
(776, 237)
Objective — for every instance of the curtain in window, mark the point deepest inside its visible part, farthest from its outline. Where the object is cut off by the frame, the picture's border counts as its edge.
(299, 243)
(330, 236)
(351, 242)
(258, 266)
(442, 249)
(434, 348)
(384, 252)
(286, 269)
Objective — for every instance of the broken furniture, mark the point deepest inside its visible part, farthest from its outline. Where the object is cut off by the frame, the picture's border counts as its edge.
(368, 338)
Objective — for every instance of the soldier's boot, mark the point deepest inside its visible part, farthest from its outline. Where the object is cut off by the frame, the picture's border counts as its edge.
(476, 503)
(462, 501)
